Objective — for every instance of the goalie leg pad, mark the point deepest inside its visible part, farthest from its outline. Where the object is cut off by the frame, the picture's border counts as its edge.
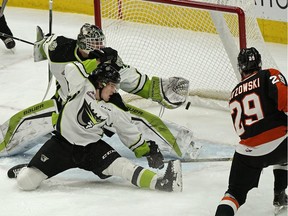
(27, 128)
(171, 92)
(29, 178)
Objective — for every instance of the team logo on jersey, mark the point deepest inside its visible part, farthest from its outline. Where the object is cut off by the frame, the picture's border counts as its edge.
(44, 158)
(248, 150)
(86, 116)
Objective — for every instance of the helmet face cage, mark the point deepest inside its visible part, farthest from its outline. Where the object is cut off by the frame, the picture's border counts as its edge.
(249, 60)
(90, 38)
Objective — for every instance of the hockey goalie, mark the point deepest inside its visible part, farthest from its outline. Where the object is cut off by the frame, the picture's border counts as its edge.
(35, 124)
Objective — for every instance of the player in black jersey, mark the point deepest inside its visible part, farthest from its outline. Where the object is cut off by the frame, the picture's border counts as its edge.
(258, 107)
(8, 41)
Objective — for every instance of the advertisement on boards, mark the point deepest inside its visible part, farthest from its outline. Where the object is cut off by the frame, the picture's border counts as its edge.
(271, 9)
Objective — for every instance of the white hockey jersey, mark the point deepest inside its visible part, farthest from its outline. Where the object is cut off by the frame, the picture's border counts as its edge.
(82, 119)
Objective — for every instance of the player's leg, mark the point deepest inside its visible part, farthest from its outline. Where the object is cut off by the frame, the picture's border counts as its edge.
(54, 157)
(105, 161)
(280, 185)
(242, 179)
(145, 178)
(8, 41)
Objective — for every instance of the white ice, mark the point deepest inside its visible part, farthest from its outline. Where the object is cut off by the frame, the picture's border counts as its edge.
(79, 193)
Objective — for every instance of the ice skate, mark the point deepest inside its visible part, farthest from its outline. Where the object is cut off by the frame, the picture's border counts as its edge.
(280, 202)
(14, 171)
(9, 43)
(172, 180)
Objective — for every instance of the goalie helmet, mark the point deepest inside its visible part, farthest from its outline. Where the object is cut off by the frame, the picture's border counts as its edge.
(90, 38)
(104, 74)
(249, 60)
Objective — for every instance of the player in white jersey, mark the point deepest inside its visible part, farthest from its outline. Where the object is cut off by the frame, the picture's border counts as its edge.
(77, 140)
(29, 127)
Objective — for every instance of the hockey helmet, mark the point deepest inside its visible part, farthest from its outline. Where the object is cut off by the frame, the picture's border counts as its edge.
(249, 60)
(90, 38)
(104, 74)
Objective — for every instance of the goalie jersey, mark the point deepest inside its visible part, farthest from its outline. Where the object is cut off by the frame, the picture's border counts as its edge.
(61, 50)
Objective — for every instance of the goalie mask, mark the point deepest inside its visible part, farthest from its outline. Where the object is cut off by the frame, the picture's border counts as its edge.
(104, 74)
(249, 60)
(90, 38)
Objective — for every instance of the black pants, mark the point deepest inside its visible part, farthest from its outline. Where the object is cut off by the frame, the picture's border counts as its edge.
(4, 27)
(58, 155)
(246, 170)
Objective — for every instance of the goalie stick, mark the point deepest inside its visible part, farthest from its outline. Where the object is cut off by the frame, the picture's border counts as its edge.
(50, 75)
(13, 172)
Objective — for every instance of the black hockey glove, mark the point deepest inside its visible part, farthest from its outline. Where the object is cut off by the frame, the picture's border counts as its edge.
(154, 157)
(104, 54)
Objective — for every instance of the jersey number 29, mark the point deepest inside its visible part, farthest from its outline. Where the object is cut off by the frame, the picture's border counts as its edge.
(250, 114)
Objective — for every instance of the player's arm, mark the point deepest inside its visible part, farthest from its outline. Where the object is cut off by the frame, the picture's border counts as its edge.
(133, 139)
(171, 92)
(75, 75)
(41, 51)
(278, 87)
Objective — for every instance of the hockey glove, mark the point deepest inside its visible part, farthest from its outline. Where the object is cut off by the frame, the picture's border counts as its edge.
(105, 54)
(154, 157)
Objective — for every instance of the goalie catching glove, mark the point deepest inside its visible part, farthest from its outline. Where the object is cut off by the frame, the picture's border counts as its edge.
(154, 157)
(170, 93)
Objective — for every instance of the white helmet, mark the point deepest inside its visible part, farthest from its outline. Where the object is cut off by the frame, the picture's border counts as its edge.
(90, 38)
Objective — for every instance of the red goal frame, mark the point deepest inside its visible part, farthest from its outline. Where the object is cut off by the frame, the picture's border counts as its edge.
(187, 3)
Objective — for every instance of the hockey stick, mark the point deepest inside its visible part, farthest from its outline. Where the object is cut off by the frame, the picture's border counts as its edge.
(15, 38)
(4, 2)
(189, 160)
(50, 32)
(50, 16)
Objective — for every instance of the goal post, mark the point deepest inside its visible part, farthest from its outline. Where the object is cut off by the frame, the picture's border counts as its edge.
(198, 40)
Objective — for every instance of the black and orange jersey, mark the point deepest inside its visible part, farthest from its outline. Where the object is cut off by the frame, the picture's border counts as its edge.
(258, 107)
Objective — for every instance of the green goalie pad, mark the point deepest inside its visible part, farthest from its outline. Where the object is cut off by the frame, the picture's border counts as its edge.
(154, 123)
(17, 133)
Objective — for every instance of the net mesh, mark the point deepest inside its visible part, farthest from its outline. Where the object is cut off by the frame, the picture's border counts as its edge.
(169, 40)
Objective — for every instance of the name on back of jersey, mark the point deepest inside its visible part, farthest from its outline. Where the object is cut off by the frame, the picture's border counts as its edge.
(245, 87)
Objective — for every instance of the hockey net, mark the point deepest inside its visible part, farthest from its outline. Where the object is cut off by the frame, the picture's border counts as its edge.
(165, 38)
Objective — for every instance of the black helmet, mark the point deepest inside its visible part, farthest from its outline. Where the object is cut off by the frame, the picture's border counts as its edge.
(249, 60)
(104, 74)
(89, 36)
